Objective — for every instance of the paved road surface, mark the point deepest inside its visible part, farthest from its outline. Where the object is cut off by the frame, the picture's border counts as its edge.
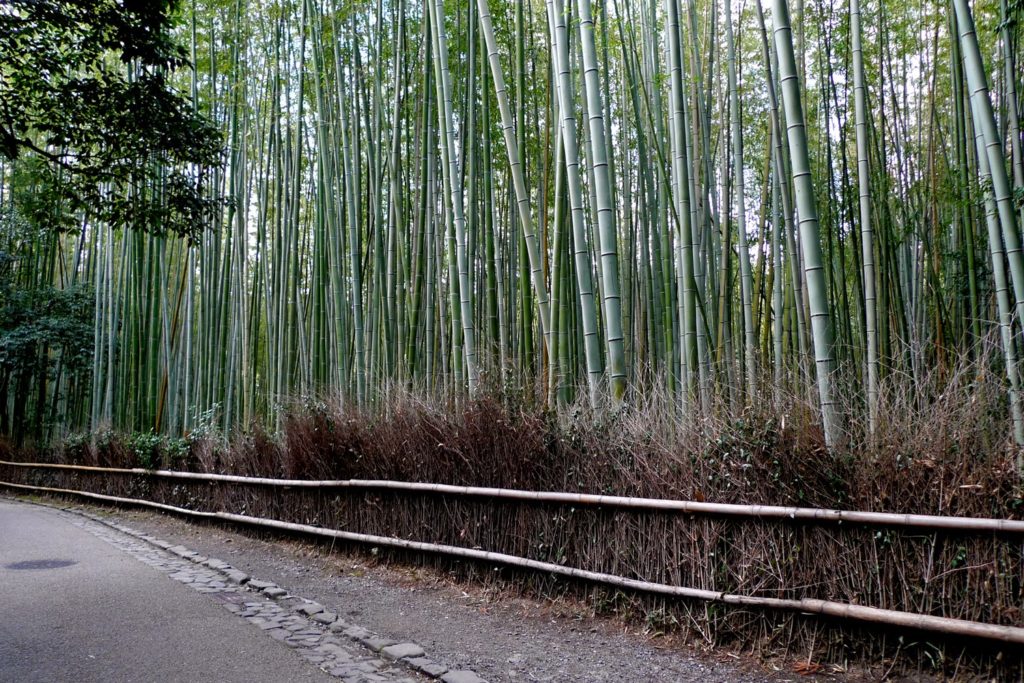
(108, 617)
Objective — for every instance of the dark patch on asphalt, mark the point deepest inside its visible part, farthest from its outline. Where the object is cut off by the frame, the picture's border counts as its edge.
(40, 564)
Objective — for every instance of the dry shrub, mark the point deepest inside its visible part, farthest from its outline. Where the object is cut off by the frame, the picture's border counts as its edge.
(942, 446)
(944, 456)
(254, 453)
(952, 453)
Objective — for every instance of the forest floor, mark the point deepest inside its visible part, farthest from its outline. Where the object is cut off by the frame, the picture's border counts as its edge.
(501, 635)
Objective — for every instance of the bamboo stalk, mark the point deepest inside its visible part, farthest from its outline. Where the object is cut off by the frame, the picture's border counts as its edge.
(780, 512)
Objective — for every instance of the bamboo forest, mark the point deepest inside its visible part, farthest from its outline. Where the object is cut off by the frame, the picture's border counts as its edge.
(623, 326)
(597, 205)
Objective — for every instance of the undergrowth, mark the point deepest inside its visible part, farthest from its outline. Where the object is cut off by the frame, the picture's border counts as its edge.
(943, 448)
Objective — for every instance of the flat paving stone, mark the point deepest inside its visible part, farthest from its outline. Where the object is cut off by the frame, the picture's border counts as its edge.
(269, 625)
(324, 618)
(304, 639)
(309, 608)
(235, 576)
(427, 666)
(333, 650)
(461, 676)
(376, 643)
(402, 650)
(357, 633)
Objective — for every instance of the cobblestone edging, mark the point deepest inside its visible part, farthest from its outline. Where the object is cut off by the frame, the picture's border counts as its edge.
(344, 650)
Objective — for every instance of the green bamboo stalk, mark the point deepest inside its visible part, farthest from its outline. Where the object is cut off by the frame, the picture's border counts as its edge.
(453, 180)
(821, 324)
(581, 251)
(746, 283)
(606, 212)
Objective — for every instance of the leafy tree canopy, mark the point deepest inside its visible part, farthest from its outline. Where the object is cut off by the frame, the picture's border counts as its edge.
(84, 85)
(45, 331)
(47, 317)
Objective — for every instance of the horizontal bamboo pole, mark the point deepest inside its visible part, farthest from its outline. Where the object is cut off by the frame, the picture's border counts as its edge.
(933, 522)
(840, 610)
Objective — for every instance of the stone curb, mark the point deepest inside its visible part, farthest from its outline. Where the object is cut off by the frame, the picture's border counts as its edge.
(409, 654)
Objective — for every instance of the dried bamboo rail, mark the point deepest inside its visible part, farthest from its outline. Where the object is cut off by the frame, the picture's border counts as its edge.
(840, 610)
(892, 519)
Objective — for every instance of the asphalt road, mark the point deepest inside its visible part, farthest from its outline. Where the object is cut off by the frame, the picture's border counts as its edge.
(74, 608)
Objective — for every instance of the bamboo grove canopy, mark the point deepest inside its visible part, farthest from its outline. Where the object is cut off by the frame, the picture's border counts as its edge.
(597, 200)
